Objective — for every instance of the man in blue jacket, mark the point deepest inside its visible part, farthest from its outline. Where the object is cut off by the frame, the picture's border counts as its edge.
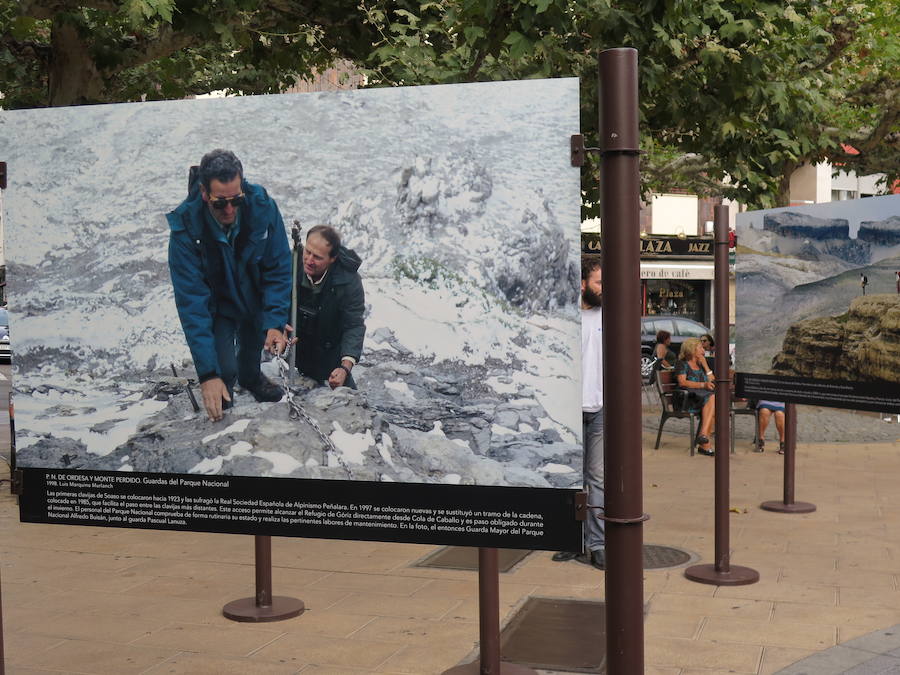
(230, 265)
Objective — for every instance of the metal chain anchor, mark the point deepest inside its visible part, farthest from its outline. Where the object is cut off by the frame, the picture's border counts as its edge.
(297, 412)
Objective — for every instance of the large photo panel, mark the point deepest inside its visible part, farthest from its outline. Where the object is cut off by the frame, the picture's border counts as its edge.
(461, 210)
(818, 304)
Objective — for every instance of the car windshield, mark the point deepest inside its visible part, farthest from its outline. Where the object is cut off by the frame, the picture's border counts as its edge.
(656, 325)
(4, 317)
(689, 328)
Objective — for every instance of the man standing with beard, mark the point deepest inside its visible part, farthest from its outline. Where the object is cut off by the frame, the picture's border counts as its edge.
(591, 413)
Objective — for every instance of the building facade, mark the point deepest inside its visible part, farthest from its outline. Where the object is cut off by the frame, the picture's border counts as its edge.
(676, 274)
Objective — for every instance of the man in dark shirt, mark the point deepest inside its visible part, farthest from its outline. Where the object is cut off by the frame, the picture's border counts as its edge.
(331, 305)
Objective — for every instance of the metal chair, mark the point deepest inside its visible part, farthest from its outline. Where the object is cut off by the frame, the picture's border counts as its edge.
(649, 383)
(744, 408)
(665, 387)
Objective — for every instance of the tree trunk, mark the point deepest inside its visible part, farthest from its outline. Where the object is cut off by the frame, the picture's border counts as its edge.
(783, 198)
(74, 77)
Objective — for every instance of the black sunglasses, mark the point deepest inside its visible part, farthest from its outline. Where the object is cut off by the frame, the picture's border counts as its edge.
(221, 202)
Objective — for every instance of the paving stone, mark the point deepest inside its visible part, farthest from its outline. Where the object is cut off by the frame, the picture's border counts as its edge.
(297, 649)
(774, 633)
(97, 600)
(878, 642)
(776, 658)
(834, 661)
(197, 664)
(83, 656)
(232, 641)
(879, 665)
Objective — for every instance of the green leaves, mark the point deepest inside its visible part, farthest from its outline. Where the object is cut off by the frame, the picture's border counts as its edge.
(23, 27)
(139, 11)
(746, 88)
(473, 33)
(519, 45)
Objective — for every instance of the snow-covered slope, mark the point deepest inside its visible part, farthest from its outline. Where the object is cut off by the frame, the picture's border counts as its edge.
(460, 200)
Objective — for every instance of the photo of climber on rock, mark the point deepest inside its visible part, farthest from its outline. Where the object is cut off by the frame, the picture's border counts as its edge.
(230, 266)
(430, 285)
(331, 304)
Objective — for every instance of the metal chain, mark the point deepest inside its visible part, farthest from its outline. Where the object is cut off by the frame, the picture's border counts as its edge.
(297, 412)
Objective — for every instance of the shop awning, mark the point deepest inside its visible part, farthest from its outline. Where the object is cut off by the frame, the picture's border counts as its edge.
(677, 270)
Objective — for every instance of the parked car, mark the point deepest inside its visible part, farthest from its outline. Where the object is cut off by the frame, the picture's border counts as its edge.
(5, 351)
(680, 328)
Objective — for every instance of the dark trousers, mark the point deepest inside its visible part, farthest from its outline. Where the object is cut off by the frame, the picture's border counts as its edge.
(238, 345)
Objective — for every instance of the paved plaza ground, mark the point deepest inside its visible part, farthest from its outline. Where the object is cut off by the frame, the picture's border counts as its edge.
(119, 601)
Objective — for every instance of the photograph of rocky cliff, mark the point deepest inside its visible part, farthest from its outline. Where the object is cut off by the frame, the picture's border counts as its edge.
(463, 206)
(862, 345)
(801, 307)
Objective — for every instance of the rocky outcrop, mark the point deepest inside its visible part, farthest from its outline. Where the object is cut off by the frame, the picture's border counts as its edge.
(61, 453)
(801, 226)
(881, 232)
(816, 237)
(410, 421)
(862, 345)
(426, 233)
(853, 251)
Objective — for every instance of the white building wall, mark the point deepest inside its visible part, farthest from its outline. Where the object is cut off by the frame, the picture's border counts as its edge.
(674, 214)
(811, 184)
(847, 185)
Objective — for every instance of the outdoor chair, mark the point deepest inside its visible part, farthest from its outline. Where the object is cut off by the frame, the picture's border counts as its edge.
(666, 386)
(648, 383)
(744, 408)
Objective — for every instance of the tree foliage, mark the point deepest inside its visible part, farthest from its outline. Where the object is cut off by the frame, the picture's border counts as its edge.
(64, 52)
(735, 94)
(738, 91)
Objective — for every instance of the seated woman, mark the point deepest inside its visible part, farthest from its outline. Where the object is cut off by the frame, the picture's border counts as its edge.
(709, 356)
(709, 352)
(766, 410)
(694, 378)
(663, 351)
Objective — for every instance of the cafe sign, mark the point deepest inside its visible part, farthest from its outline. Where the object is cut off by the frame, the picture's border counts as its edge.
(658, 247)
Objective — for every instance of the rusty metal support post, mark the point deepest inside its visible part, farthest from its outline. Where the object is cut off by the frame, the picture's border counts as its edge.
(788, 505)
(489, 662)
(722, 573)
(620, 217)
(14, 487)
(2, 657)
(263, 567)
(489, 610)
(264, 606)
(790, 441)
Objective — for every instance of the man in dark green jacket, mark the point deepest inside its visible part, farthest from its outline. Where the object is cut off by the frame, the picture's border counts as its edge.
(230, 265)
(331, 305)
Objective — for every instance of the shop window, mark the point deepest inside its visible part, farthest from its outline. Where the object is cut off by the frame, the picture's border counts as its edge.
(678, 298)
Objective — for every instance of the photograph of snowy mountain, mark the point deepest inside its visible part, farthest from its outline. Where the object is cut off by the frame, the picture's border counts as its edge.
(463, 206)
(818, 295)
